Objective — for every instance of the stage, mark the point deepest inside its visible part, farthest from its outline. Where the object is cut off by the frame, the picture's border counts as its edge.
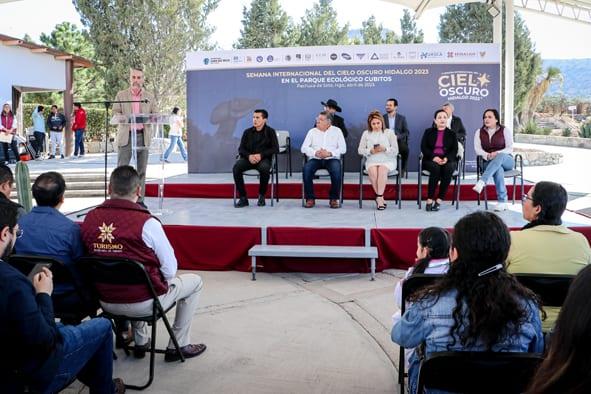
(208, 233)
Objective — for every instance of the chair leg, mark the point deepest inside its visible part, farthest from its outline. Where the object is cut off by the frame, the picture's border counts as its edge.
(399, 192)
(514, 186)
(234, 195)
(172, 336)
(485, 199)
(152, 358)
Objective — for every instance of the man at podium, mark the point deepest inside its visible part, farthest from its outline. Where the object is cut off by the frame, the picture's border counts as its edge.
(136, 97)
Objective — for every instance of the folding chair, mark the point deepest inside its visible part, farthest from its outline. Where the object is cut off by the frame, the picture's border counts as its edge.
(324, 173)
(124, 272)
(274, 179)
(551, 288)
(410, 286)
(285, 149)
(514, 173)
(61, 276)
(478, 372)
(395, 173)
(455, 176)
(462, 141)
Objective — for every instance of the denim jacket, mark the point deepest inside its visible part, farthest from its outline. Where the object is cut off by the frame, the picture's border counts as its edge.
(429, 322)
(38, 121)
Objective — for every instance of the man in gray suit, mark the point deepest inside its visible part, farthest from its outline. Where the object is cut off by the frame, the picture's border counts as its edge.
(144, 132)
(397, 122)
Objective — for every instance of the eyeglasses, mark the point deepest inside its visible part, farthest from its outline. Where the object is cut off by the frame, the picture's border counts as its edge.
(525, 197)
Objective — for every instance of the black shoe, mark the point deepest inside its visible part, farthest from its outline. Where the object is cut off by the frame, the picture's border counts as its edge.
(52, 157)
(188, 351)
(242, 202)
(140, 351)
(261, 201)
(429, 207)
(435, 207)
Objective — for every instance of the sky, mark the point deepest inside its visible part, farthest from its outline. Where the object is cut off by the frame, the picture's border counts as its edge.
(554, 38)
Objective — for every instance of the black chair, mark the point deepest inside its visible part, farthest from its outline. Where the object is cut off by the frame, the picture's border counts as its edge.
(274, 179)
(516, 172)
(285, 149)
(124, 272)
(68, 310)
(478, 372)
(455, 176)
(462, 141)
(324, 173)
(551, 288)
(395, 173)
(410, 286)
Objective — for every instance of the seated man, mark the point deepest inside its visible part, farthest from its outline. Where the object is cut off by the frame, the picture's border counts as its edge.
(323, 145)
(257, 147)
(37, 353)
(47, 232)
(121, 221)
(544, 245)
(6, 182)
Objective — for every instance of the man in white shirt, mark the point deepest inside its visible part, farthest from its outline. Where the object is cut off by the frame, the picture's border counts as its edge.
(323, 146)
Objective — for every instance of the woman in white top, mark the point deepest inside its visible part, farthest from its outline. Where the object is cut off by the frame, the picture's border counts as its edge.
(176, 135)
(494, 142)
(380, 147)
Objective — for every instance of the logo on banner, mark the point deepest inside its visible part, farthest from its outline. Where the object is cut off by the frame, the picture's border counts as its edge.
(287, 58)
(270, 58)
(482, 53)
(333, 56)
(411, 55)
(463, 55)
(249, 59)
(259, 59)
(463, 85)
(431, 55)
(237, 59)
(374, 56)
(308, 57)
(206, 61)
(298, 56)
(360, 55)
(346, 56)
(398, 55)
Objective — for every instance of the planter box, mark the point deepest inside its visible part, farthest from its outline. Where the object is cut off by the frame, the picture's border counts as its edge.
(573, 142)
(99, 147)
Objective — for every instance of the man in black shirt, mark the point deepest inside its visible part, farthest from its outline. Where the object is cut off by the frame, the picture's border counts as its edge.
(333, 107)
(56, 121)
(257, 147)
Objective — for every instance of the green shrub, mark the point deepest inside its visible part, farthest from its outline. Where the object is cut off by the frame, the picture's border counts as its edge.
(530, 128)
(585, 130)
(566, 132)
(544, 131)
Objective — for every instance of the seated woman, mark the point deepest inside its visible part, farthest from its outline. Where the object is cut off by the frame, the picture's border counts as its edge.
(380, 147)
(494, 142)
(567, 366)
(440, 150)
(477, 306)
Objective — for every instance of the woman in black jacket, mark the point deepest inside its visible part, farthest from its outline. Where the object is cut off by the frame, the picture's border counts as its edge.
(439, 147)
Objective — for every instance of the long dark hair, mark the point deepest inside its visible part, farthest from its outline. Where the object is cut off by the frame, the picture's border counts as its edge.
(493, 301)
(567, 366)
(495, 114)
(436, 240)
(551, 197)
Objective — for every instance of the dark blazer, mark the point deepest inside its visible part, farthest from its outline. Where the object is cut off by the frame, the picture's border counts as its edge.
(458, 127)
(450, 144)
(267, 147)
(339, 122)
(400, 125)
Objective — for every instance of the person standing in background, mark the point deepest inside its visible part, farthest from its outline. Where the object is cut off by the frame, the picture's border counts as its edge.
(78, 127)
(39, 131)
(56, 122)
(176, 134)
(8, 125)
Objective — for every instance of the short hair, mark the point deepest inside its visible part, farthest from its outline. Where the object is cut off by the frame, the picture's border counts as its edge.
(6, 174)
(54, 106)
(40, 108)
(263, 112)
(8, 214)
(448, 104)
(176, 110)
(327, 115)
(124, 181)
(136, 67)
(437, 113)
(49, 188)
(78, 105)
(394, 100)
(551, 197)
(374, 115)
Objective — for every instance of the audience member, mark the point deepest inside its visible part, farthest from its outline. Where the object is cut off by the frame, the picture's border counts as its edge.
(494, 143)
(332, 107)
(380, 148)
(39, 355)
(176, 134)
(257, 147)
(79, 126)
(323, 146)
(8, 126)
(477, 305)
(121, 221)
(56, 123)
(6, 182)
(439, 147)
(454, 123)
(397, 122)
(39, 131)
(567, 366)
(544, 245)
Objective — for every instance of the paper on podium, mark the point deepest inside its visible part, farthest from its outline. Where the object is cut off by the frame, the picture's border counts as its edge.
(131, 119)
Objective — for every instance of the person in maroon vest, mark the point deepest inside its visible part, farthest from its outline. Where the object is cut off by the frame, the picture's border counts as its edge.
(8, 126)
(121, 228)
(494, 142)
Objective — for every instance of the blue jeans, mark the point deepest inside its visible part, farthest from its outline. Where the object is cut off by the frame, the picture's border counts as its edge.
(176, 140)
(88, 356)
(79, 142)
(496, 168)
(333, 166)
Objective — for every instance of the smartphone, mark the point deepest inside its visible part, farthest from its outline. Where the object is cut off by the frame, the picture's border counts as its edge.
(376, 145)
(38, 268)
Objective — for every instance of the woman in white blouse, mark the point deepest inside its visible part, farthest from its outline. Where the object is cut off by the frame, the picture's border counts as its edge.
(176, 134)
(380, 147)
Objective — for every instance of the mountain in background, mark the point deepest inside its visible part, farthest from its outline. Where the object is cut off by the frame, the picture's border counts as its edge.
(577, 77)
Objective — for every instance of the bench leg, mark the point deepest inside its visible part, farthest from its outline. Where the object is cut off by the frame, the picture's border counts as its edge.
(373, 269)
(254, 267)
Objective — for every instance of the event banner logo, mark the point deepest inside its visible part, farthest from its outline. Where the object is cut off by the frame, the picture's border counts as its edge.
(463, 85)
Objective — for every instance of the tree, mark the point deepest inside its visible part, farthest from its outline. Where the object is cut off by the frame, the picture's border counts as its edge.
(319, 26)
(264, 25)
(149, 33)
(535, 95)
(372, 33)
(410, 33)
(472, 23)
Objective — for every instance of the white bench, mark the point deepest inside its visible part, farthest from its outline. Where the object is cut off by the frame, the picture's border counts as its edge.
(318, 251)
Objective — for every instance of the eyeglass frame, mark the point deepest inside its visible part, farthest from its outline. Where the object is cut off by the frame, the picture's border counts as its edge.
(525, 197)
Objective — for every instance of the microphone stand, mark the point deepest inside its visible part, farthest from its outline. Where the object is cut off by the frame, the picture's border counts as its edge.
(107, 104)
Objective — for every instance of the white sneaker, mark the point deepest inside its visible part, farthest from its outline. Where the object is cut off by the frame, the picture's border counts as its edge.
(479, 186)
(501, 206)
